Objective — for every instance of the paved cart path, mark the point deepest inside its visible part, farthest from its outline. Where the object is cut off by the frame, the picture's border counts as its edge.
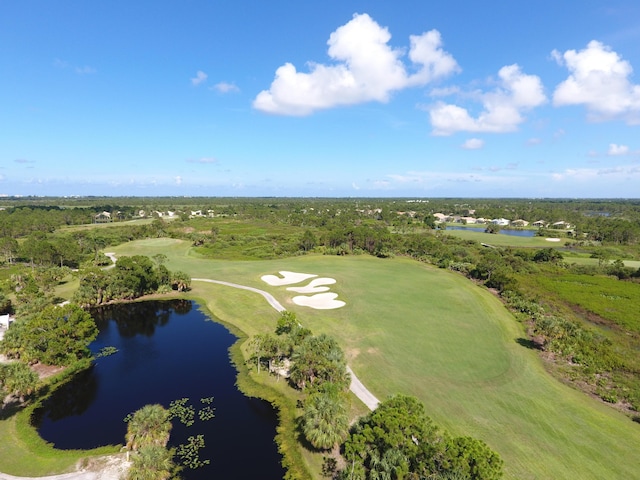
(113, 467)
(358, 389)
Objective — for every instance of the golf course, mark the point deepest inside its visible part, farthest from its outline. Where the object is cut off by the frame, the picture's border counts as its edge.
(410, 328)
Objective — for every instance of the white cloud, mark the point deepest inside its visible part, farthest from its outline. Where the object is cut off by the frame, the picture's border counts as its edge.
(473, 144)
(503, 107)
(200, 77)
(366, 69)
(224, 87)
(599, 80)
(178, 180)
(619, 173)
(534, 141)
(617, 149)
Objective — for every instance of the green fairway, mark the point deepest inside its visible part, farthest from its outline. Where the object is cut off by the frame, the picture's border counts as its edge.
(410, 328)
(595, 262)
(502, 240)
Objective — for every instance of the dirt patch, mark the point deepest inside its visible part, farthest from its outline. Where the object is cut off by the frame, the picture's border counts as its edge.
(352, 353)
(45, 371)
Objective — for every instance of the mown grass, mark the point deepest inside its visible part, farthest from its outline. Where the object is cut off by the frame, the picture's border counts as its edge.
(587, 260)
(23, 452)
(413, 329)
(501, 240)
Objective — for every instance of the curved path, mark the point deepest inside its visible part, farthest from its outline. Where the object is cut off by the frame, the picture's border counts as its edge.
(116, 466)
(358, 389)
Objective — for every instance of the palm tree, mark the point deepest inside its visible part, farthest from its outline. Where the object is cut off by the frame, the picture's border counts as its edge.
(18, 379)
(325, 421)
(148, 426)
(391, 466)
(152, 462)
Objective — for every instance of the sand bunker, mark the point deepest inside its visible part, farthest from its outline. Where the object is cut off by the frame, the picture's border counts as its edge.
(320, 301)
(314, 286)
(288, 278)
(552, 239)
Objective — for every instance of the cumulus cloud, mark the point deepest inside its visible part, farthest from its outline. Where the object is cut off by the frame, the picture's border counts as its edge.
(224, 87)
(473, 144)
(503, 110)
(366, 69)
(178, 180)
(599, 80)
(200, 77)
(617, 149)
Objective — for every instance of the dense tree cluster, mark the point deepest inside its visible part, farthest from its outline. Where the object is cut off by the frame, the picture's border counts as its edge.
(398, 440)
(132, 277)
(57, 335)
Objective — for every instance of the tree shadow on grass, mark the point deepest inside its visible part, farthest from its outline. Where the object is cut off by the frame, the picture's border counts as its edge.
(525, 342)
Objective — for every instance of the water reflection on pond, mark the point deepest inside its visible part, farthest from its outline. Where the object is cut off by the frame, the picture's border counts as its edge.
(166, 351)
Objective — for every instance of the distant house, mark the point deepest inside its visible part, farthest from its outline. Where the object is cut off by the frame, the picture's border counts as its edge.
(142, 213)
(501, 222)
(103, 217)
(468, 220)
(519, 223)
(196, 213)
(539, 224)
(561, 224)
(440, 217)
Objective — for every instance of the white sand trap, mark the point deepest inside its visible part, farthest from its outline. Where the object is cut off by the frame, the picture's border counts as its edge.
(288, 278)
(552, 239)
(320, 301)
(314, 286)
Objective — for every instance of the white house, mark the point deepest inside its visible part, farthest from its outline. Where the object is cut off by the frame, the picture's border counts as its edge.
(501, 222)
(561, 224)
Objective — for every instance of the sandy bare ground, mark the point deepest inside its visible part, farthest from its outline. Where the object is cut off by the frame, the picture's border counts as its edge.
(319, 301)
(112, 467)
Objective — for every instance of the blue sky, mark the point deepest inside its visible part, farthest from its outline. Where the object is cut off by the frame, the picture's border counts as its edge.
(333, 98)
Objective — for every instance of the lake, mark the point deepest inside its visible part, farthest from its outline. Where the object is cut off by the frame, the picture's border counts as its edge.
(516, 233)
(166, 351)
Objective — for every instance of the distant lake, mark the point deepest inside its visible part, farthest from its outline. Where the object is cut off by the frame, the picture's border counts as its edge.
(166, 351)
(516, 233)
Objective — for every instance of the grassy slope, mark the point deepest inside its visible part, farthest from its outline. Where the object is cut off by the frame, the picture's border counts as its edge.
(413, 329)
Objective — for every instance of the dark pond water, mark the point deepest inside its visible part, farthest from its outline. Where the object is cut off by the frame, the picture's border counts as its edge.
(166, 351)
(516, 233)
